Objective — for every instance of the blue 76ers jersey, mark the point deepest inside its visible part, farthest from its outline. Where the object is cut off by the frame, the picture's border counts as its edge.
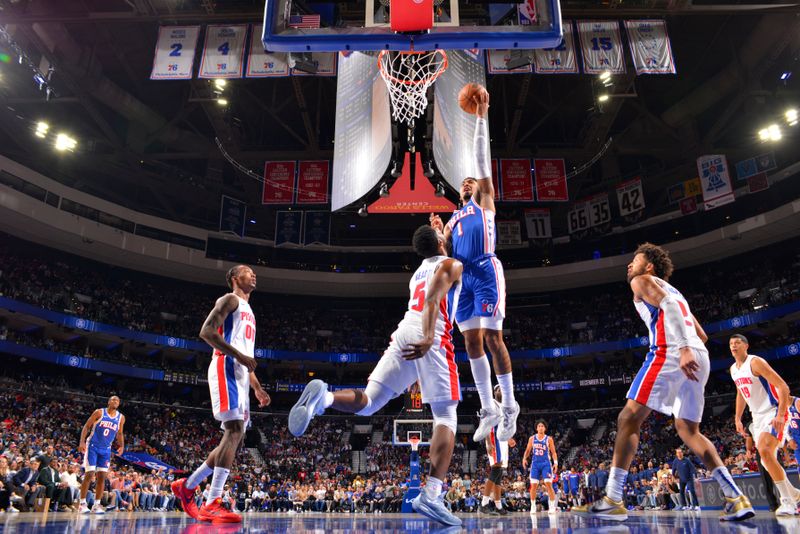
(473, 232)
(104, 431)
(541, 451)
(794, 421)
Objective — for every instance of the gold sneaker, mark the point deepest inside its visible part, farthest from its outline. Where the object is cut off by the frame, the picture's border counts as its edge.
(737, 509)
(605, 508)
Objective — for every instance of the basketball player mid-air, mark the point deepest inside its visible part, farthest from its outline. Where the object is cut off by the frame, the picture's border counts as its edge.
(230, 329)
(481, 310)
(421, 349)
(544, 462)
(762, 390)
(671, 381)
(100, 431)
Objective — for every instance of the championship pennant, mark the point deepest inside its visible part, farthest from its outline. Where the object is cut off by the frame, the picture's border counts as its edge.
(601, 45)
(515, 177)
(650, 46)
(558, 60)
(223, 53)
(278, 182)
(263, 64)
(174, 58)
(312, 182)
(551, 180)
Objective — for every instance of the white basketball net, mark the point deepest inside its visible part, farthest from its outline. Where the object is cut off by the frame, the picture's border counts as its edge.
(408, 76)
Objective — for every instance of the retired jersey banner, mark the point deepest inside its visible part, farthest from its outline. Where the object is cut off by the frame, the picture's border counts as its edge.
(174, 59)
(325, 63)
(278, 182)
(561, 59)
(650, 46)
(578, 218)
(515, 177)
(223, 54)
(312, 182)
(263, 64)
(496, 63)
(599, 210)
(630, 197)
(288, 226)
(551, 180)
(232, 214)
(509, 233)
(601, 46)
(537, 223)
(317, 228)
(716, 181)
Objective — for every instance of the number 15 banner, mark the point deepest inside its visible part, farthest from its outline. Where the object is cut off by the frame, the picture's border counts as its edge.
(174, 59)
(601, 45)
(223, 54)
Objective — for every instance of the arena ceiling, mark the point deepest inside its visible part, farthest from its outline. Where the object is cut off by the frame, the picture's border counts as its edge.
(149, 145)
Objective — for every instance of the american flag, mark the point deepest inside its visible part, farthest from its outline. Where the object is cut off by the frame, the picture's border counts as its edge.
(304, 21)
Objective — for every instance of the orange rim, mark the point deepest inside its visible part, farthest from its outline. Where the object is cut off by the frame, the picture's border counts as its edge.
(430, 78)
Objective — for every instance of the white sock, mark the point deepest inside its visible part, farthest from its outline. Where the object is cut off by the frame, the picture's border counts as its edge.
(199, 475)
(507, 388)
(486, 500)
(482, 374)
(498, 504)
(725, 481)
(553, 503)
(328, 401)
(433, 487)
(217, 484)
(786, 489)
(616, 483)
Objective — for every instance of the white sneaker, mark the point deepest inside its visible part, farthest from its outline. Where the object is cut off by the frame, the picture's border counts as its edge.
(551, 511)
(98, 509)
(490, 418)
(533, 509)
(84, 509)
(508, 427)
(787, 507)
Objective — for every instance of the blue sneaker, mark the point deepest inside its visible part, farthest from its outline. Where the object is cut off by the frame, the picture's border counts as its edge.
(435, 509)
(306, 407)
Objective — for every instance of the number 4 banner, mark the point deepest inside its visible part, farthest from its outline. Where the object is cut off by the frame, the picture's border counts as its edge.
(630, 197)
(174, 59)
(223, 54)
(601, 45)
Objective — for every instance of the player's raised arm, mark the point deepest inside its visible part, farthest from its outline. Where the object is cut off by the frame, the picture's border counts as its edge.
(209, 333)
(761, 368)
(94, 418)
(483, 164)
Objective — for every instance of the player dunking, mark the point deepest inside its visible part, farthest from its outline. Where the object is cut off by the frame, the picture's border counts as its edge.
(100, 431)
(230, 329)
(544, 462)
(483, 301)
(421, 349)
(671, 381)
(497, 451)
(761, 389)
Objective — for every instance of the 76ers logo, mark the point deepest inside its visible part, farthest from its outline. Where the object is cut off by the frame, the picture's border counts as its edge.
(487, 307)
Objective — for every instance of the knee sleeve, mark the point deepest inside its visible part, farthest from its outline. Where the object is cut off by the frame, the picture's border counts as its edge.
(444, 413)
(496, 475)
(377, 397)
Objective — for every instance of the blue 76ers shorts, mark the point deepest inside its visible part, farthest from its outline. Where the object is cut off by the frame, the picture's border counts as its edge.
(541, 472)
(95, 459)
(482, 303)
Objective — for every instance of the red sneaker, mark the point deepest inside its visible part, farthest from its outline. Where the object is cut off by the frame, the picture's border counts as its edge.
(186, 497)
(216, 513)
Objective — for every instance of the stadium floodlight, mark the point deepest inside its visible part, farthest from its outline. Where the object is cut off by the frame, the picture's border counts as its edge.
(775, 132)
(41, 129)
(603, 98)
(605, 75)
(222, 102)
(791, 116)
(65, 142)
(220, 83)
(763, 134)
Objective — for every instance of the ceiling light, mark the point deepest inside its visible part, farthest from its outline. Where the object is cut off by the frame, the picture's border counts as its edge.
(65, 142)
(41, 129)
(222, 101)
(775, 132)
(605, 75)
(220, 83)
(603, 98)
(362, 211)
(763, 134)
(791, 115)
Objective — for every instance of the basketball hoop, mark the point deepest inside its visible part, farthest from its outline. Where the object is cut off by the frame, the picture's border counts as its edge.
(414, 442)
(408, 75)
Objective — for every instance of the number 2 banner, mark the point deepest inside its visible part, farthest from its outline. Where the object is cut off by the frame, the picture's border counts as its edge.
(223, 54)
(601, 45)
(174, 59)
(561, 59)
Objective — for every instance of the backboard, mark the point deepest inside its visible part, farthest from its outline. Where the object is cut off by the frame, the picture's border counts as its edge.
(407, 428)
(458, 24)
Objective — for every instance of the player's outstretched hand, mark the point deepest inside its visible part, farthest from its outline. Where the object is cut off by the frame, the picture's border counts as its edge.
(248, 362)
(417, 350)
(263, 398)
(689, 364)
(436, 222)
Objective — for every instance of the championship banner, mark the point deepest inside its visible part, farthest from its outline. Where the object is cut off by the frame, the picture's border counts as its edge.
(601, 45)
(174, 58)
(312, 182)
(630, 197)
(263, 64)
(561, 59)
(232, 215)
(578, 218)
(287, 227)
(537, 223)
(692, 188)
(515, 180)
(223, 53)
(278, 182)
(650, 47)
(551, 180)
(317, 228)
(496, 179)
(496, 63)
(717, 190)
(509, 233)
(599, 210)
(325, 63)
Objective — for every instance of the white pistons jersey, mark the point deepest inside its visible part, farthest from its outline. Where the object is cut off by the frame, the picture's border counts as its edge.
(418, 289)
(662, 337)
(239, 329)
(760, 395)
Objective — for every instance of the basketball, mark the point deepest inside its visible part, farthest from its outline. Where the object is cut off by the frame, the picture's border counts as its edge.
(465, 97)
